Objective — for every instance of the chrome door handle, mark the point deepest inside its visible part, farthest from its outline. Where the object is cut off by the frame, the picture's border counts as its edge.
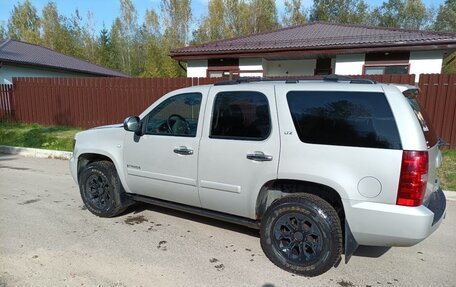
(259, 156)
(183, 150)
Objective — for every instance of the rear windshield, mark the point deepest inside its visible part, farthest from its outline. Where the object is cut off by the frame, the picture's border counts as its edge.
(360, 119)
(423, 118)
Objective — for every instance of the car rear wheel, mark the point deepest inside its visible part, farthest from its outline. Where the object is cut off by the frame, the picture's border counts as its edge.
(101, 190)
(302, 234)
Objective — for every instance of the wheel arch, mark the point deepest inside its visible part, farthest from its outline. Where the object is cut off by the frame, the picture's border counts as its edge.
(275, 189)
(88, 157)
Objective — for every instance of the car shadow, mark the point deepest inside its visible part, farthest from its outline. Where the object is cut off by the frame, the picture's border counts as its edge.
(140, 207)
(362, 251)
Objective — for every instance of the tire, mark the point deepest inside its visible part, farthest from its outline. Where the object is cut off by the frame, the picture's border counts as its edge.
(101, 190)
(302, 234)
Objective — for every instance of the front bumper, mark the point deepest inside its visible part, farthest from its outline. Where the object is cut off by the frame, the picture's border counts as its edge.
(73, 162)
(393, 225)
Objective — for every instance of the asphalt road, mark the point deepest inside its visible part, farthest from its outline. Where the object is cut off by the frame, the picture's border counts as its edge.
(47, 238)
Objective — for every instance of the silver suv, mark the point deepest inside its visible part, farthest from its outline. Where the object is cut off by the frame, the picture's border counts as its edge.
(318, 166)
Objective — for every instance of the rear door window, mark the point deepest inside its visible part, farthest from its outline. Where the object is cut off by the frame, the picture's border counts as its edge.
(359, 119)
(241, 116)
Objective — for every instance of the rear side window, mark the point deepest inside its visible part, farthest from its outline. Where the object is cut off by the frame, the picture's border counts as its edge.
(360, 119)
(422, 117)
(241, 116)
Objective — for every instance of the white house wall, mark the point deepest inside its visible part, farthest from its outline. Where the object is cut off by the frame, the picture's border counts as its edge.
(349, 64)
(197, 68)
(290, 67)
(346, 64)
(425, 62)
(251, 64)
(7, 73)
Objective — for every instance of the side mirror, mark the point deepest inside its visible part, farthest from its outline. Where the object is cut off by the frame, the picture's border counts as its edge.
(132, 124)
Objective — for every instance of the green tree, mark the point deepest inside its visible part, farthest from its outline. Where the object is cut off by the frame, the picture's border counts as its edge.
(151, 37)
(446, 17)
(415, 15)
(104, 51)
(56, 34)
(176, 18)
(237, 18)
(89, 39)
(446, 22)
(117, 46)
(340, 11)
(213, 26)
(3, 32)
(294, 13)
(407, 14)
(263, 16)
(24, 23)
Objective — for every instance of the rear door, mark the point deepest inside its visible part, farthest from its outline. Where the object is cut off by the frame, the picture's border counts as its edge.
(239, 148)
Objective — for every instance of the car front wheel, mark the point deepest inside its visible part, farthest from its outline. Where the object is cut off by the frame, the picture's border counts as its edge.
(101, 190)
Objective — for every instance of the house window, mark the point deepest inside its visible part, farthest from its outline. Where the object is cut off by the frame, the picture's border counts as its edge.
(223, 67)
(385, 69)
(382, 63)
(323, 66)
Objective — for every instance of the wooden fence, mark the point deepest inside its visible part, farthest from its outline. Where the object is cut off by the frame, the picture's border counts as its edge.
(6, 101)
(89, 102)
(438, 99)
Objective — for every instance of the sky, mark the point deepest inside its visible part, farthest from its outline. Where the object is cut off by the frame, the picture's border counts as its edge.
(105, 11)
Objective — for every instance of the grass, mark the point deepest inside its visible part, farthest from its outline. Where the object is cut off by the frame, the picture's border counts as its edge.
(447, 171)
(37, 136)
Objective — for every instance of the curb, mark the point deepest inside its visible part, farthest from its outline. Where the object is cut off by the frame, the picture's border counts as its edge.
(36, 152)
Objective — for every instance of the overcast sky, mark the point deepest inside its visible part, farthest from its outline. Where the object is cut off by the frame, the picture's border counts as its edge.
(105, 11)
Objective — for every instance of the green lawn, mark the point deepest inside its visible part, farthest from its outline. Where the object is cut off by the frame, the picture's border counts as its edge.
(37, 136)
(447, 172)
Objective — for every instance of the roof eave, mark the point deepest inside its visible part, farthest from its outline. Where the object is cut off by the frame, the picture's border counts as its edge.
(63, 68)
(313, 51)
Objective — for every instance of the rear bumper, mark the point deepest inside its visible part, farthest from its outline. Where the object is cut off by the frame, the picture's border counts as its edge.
(393, 225)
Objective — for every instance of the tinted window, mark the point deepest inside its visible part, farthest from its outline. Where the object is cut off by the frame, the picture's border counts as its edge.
(241, 115)
(176, 116)
(361, 119)
(428, 131)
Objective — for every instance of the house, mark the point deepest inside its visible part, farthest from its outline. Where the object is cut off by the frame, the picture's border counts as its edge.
(320, 48)
(20, 59)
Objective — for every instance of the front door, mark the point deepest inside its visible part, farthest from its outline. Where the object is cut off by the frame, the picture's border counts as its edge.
(163, 162)
(239, 149)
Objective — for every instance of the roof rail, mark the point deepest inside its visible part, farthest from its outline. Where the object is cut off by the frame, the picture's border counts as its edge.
(241, 80)
(340, 78)
(329, 78)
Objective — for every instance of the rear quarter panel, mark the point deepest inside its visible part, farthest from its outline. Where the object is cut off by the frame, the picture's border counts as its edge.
(339, 167)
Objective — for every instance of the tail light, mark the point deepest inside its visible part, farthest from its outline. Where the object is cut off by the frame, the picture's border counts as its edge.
(412, 183)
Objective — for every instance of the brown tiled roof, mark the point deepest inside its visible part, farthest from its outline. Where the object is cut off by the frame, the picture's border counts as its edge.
(12, 51)
(319, 35)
